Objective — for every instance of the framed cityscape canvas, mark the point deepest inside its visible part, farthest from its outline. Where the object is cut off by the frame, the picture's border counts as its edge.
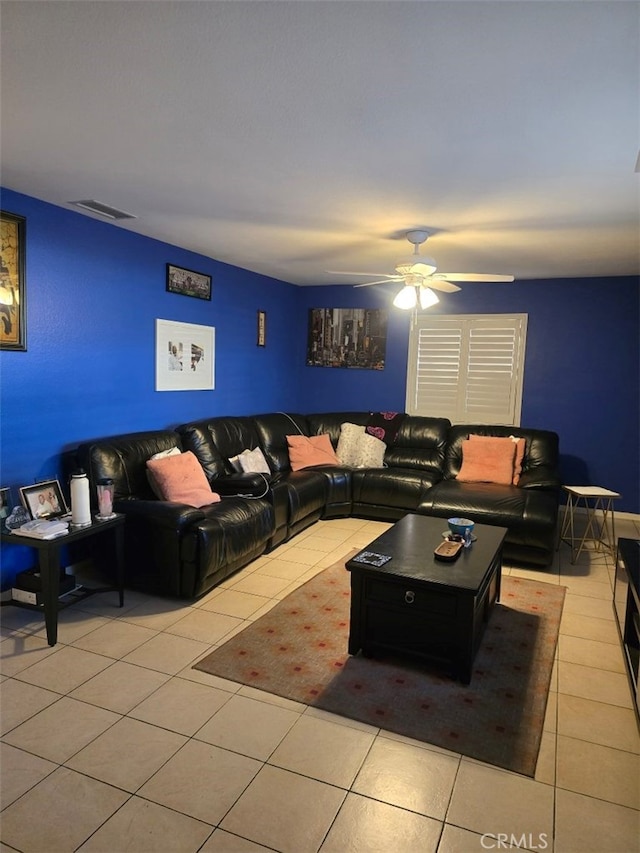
(347, 337)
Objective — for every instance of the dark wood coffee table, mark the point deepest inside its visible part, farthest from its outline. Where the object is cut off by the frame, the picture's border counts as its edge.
(417, 605)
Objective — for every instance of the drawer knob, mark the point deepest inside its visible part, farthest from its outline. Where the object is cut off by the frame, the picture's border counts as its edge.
(409, 597)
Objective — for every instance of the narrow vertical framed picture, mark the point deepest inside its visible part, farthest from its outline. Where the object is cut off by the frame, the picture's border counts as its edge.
(262, 329)
(13, 331)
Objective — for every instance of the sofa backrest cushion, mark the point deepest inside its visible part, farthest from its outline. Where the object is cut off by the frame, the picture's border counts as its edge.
(272, 430)
(124, 459)
(541, 446)
(214, 441)
(420, 443)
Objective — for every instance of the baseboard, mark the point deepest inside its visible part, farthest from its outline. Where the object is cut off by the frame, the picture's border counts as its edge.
(623, 516)
(580, 513)
(628, 516)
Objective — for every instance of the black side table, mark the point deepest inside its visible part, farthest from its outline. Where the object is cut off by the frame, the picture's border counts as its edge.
(49, 565)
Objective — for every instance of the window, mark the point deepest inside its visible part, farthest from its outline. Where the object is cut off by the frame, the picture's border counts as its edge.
(468, 368)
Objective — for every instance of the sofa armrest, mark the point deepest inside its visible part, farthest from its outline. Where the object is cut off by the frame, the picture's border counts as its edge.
(174, 516)
(540, 477)
(241, 485)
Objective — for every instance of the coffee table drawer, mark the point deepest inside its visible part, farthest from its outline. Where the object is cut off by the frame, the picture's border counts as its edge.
(423, 634)
(410, 596)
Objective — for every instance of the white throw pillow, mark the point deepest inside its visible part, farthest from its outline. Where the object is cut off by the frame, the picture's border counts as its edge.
(347, 449)
(357, 449)
(250, 462)
(370, 452)
(172, 451)
(235, 462)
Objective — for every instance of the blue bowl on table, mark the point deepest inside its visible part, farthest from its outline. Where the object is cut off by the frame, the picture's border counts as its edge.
(460, 525)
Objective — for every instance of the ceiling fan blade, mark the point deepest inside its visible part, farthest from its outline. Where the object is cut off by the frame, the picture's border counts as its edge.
(471, 276)
(348, 272)
(382, 281)
(441, 284)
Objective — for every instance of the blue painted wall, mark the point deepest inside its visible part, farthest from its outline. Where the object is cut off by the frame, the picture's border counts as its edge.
(94, 291)
(582, 369)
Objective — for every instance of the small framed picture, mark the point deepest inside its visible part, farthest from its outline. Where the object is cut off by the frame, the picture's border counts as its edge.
(44, 500)
(188, 282)
(5, 503)
(262, 329)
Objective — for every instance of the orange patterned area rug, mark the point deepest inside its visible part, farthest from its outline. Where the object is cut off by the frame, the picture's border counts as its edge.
(298, 650)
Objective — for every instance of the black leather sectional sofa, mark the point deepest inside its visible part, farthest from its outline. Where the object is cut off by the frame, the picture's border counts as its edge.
(178, 550)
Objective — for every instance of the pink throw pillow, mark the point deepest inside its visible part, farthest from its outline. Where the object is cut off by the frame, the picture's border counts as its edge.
(487, 462)
(305, 451)
(520, 444)
(180, 479)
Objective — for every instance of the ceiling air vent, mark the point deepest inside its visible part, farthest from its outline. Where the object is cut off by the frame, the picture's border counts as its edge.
(103, 209)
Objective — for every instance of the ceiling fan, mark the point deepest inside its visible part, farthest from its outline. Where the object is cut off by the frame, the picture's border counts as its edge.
(420, 277)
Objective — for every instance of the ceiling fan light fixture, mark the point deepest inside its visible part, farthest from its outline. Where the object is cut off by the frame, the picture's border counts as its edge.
(416, 265)
(425, 266)
(420, 277)
(406, 298)
(427, 297)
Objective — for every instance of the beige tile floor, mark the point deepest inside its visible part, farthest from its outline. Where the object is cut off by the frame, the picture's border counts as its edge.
(111, 742)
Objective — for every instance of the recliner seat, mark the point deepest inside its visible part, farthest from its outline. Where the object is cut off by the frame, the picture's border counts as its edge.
(171, 548)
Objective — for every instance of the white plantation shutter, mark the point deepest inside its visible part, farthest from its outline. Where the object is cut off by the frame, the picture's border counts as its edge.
(467, 368)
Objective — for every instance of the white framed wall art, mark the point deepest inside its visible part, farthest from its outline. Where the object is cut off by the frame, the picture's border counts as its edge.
(185, 356)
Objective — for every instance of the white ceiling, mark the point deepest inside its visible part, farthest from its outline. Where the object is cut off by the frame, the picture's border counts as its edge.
(295, 137)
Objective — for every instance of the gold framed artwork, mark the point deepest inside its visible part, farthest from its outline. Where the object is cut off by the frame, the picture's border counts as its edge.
(13, 332)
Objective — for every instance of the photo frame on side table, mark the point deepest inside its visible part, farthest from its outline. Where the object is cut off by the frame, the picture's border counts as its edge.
(13, 330)
(44, 500)
(5, 503)
(185, 356)
(188, 283)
